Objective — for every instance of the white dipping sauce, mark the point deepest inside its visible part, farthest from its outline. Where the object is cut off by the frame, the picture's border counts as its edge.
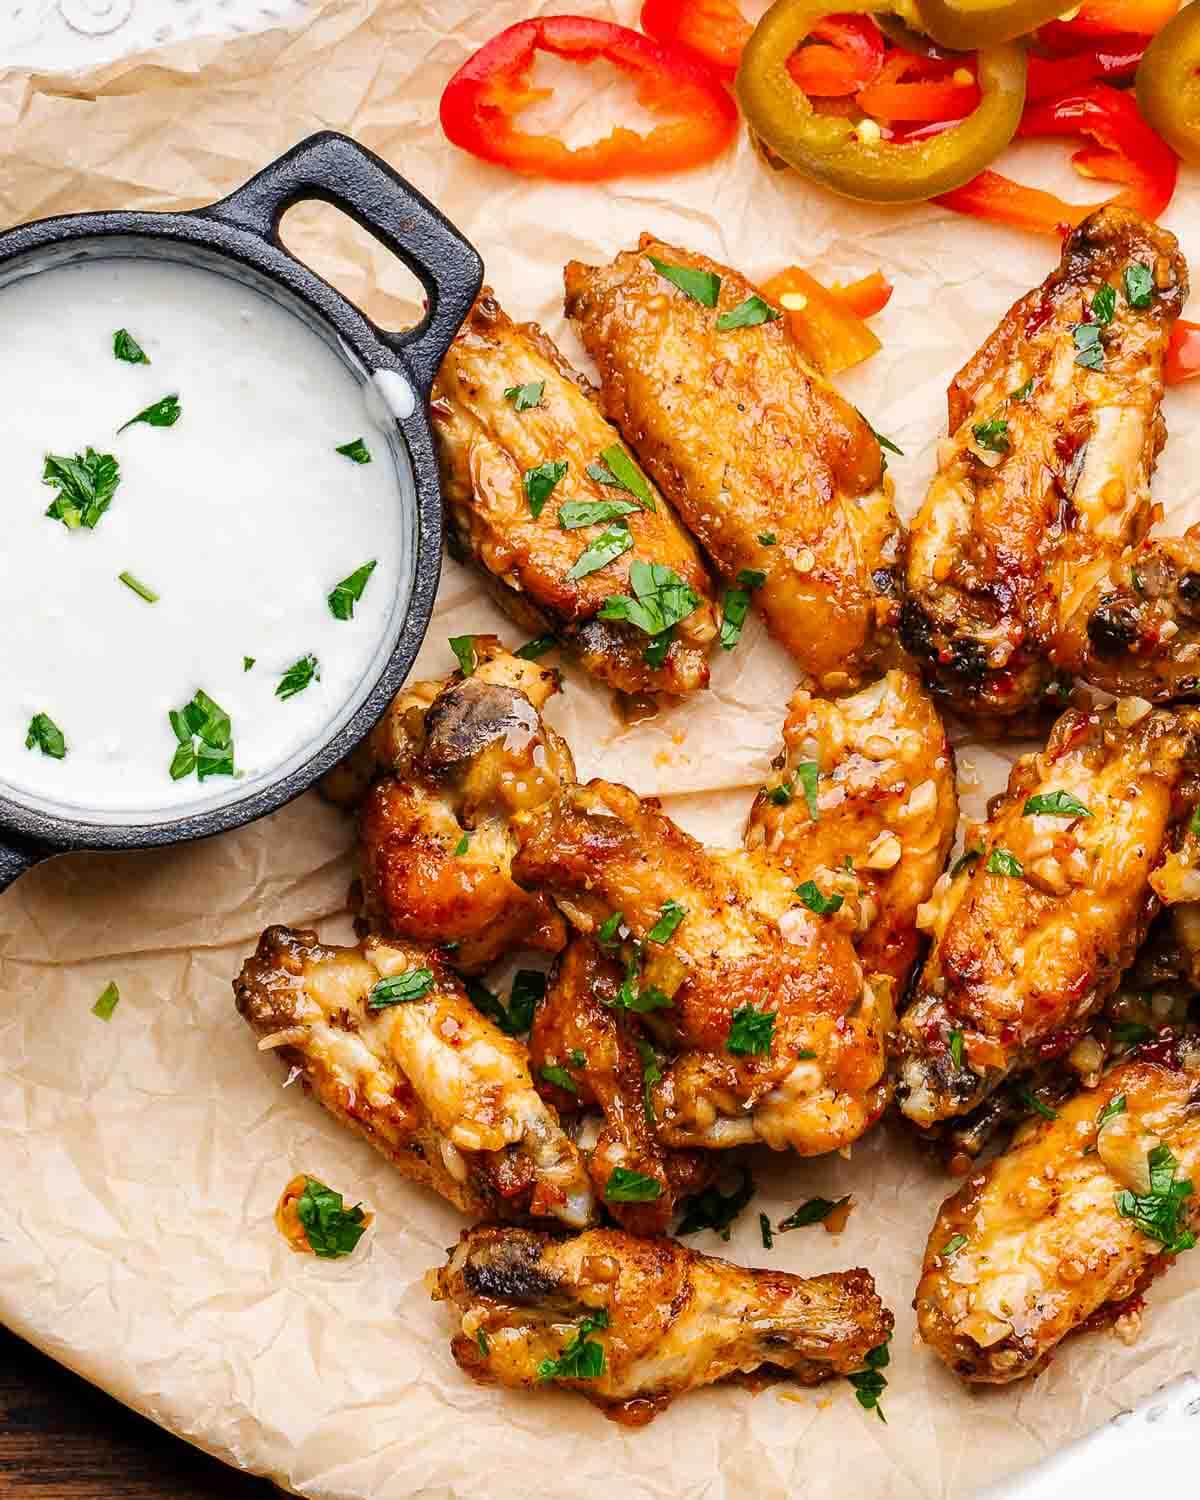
(242, 517)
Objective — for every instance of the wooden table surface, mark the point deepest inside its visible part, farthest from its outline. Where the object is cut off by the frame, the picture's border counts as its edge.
(61, 1439)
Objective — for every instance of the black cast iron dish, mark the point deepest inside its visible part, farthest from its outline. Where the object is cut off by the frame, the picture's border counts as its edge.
(239, 238)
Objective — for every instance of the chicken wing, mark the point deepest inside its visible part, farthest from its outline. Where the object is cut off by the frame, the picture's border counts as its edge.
(1033, 928)
(865, 782)
(515, 472)
(768, 466)
(633, 1323)
(782, 1037)
(1068, 1228)
(1045, 479)
(386, 1038)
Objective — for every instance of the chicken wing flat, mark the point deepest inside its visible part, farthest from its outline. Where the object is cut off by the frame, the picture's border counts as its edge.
(770, 469)
(866, 779)
(521, 445)
(782, 1038)
(387, 1040)
(1045, 479)
(461, 756)
(1068, 1228)
(633, 1323)
(1033, 928)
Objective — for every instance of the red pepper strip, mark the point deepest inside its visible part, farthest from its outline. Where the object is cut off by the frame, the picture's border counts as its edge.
(714, 29)
(1111, 61)
(866, 297)
(492, 86)
(1126, 151)
(936, 96)
(846, 54)
(1183, 353)
(1107, 18)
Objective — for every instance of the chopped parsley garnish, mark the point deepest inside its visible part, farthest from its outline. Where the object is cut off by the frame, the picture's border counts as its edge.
(616, 469)
(463, 647)
(531, 650)
(748, 314)
(1001, 862)
(713, 1209)
(954, 1244)
(298, 676)
(750, 1031)
(127, 348)
(955, 1044)
(107, 1001)
(332, 1229)
(630, 996)
(399, 989)
(1139, 285)
(823, 906)
(651, 1074)
(539, 484)
(481, 1339)
(606, 933)
(884, 442)
(356, 451)
(347, 593)
(45, 735)
(162, 413)
(625, 1186)
(583, 1358)
(1023, 392)
(1194, 820)
(967, 858)
(1111, 1110)
(247, 663)
(764, 1228)
(526, 397)
(870, 1384)
(1130, 1033)
(607, 547)
(1029, 1100)
(205, 734)
(661, 599)
(992, 435)
(701, 286)
(807, 773)
(515, 1018)
(669, 918)
(577, 513)
(462, 846)
(1090, 349)
(780, 795)
(813, 1211)
(1104, 304)
(1057, 804)
(1159, 1212)
(560, 1078)
(767, 538)
(86, 484)
(142, 590)
(737, 606)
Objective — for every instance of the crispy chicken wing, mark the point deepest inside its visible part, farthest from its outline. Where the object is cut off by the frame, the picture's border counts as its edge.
(1051, 1237)
(1045, 479)
(428, 1081)
(782, 1037)
(489, 443)
(1033, 929)
(880, 774)
(632, 1323)
(749, 443)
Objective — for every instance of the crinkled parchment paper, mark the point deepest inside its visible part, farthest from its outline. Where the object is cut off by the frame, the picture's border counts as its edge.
(142, 1159)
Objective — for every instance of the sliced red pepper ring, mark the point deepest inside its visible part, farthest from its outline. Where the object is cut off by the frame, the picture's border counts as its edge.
(1114, 60)
(493, 86)
(715, 30)
(1168, 83)
(1183, 353)
(1106, 18)
(830, 334)
(867, 296)
(918, 90)
(844, 54)
(1126, 150)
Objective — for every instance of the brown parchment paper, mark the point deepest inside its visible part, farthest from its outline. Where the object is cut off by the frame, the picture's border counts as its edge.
(142, 1159)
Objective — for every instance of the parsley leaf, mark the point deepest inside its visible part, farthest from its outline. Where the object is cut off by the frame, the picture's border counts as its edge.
(162, 413)
(1023, 392)
(332, 1229)
(560, 1078)
(750, 1031)
(1029, 1100)
(651, 1074)
(807, 773)
(954, 1244)
(1090, 349)
(583, 1358)
(767, 538)
(142, 590)
(764, 1228)
(954, 1043)
(1130, 1033)
(607, 547)
(1139, 285)
(539, 484)
(616, 469)
(108, 1000)
(1104, 304)
(357, 451)
(399, 989)
(527, 993)
(823, 906)
(86, 484)
(669, 918)
(713, 1209)
(701, 286)
(205, 720)
(247, 663)
(625, 1186)
(780, 795)
(992, 435)
(748, 314)
(661, 599)
(127, 348)
(577, 513)
(870, 1384)
(462, 846)
(45, 735)
(966, 858)
(463, 647)
(347, 593)
(1158, 1213)
(1057, 804)
(1111, 1110)
(531, 650)
(813, 1211)
(733, 616)
(630, 996)
(481, 1339)
(1001, 862)
(526, 397)
(298, 676)
(606, 933)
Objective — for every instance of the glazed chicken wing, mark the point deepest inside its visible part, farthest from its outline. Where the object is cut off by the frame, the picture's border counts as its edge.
(511, 418)
(1068, 1228)
(1033, 928)
(385, 1037)
(749, 444)
(632, 1323)
(1044, 481)
(782, 1037)
(867, 779)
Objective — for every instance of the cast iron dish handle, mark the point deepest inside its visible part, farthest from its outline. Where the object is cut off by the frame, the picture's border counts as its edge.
(339, 171)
